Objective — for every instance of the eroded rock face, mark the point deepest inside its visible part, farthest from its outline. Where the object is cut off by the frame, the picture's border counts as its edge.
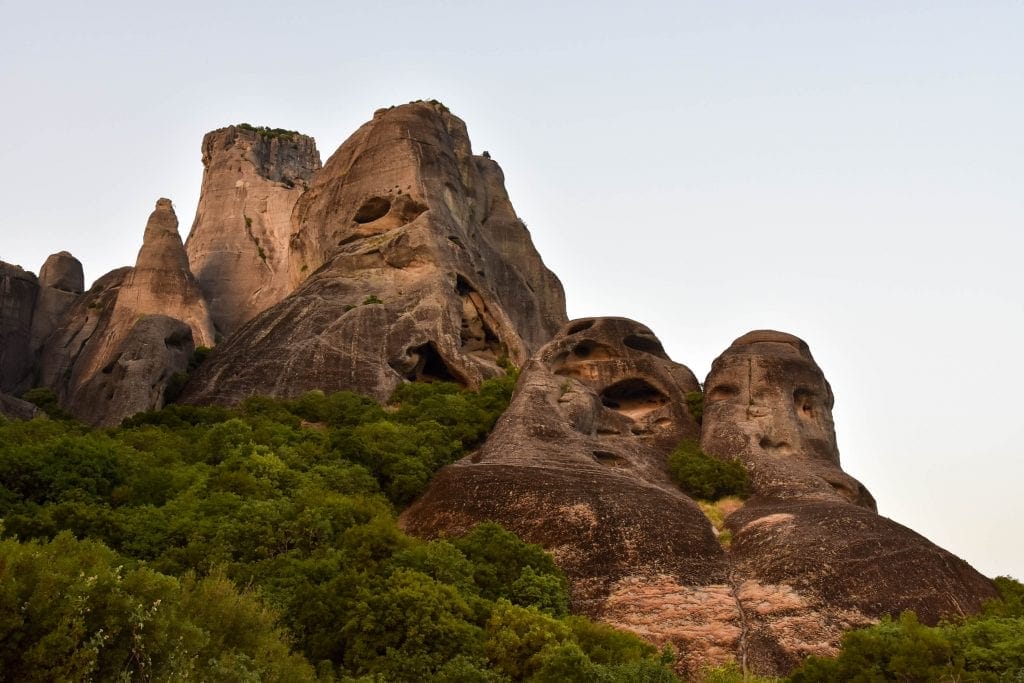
(136, 379)
(417, 270)
(578, 464)
(61, 282)
(18, 292)
(238, 247)
(17, 409)
(767, 403)
(811, 531)
(115, 350)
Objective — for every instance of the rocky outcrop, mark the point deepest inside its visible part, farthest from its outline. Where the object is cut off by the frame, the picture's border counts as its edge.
(17, 409)
(18, 292)
(117, 349)
(238, 247)
(810, 531)
(578, 465)
(418, 269)
(61, 282)
(153, 350)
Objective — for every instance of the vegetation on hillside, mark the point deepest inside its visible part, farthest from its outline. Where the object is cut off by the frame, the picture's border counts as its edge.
(260, 543)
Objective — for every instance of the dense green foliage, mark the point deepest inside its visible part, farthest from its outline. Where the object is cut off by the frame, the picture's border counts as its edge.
(987, 647)
(270, 132)
(706, 478)
(217, 541)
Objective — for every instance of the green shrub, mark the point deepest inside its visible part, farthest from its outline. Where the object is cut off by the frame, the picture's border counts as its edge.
(695, 404)
(706, 478)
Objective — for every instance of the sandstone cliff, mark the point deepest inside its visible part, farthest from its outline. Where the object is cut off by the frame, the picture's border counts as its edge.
(18, 292)
(238, 247)
(108, 359)
(417, 269)
(578, 465)
(61, 282)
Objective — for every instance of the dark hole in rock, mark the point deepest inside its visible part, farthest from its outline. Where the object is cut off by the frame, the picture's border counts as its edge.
(430, 366)
(372, 209)
(607, 458)
(803, 400)
(579, 326)
(455, 240)
(633, 397)
(646, 344)
(591, 350)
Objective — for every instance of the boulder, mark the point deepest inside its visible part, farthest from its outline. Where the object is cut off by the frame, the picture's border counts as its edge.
(17, 409)
(238, 248)
(61, 282)
(417, 270)
(18, 292)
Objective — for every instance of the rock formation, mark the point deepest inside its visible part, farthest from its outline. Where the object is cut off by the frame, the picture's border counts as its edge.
(18, 292)
(61, 282)
(810, 532)
(17, 409)
(418, 269)
(578, 465)
(119, 345)
(238, 247)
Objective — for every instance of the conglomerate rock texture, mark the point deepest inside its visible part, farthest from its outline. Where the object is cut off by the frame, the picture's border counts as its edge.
(18, 292)
(418, 269)
(578, 465)
(105, 335)
(238, 248)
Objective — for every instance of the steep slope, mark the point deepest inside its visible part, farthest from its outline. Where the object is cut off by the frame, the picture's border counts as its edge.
(238, 248)
(418, 269)
(61, 282)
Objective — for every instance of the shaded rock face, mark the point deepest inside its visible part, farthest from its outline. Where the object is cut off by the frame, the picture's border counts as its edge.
(578, 464)
(768, 404)
(61, 282)
(16, 408)
(154, 349)
(115, 350)
(417, 270)
(18, 292)
(238, 248)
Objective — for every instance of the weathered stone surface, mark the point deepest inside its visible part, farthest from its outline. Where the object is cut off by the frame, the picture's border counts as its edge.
(62, 271)
(578, 464)
(238, 248)
(419, 270)
(768, 404)
(811, 531)
(136, 379)
(61, 281)
(18, 292)
(16, 408)
(103, 337)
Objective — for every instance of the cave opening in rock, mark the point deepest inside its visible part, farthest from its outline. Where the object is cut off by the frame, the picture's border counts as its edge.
(372, 209)
(634, 397)
(579, 326)
(646, 344)
(430, 366)
(608, 458)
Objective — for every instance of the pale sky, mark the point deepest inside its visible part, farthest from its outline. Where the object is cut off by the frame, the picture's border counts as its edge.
(850, 172)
